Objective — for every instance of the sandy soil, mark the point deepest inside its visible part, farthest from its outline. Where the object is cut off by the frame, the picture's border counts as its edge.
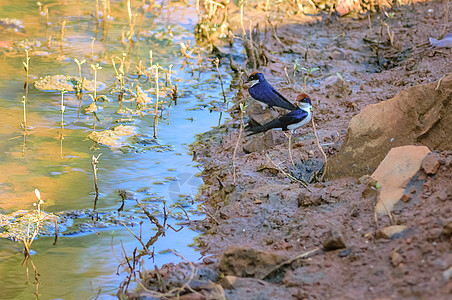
(265, 234)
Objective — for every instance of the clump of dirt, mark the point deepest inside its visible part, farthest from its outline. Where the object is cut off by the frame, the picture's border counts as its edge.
(68, 83)
(266, 235)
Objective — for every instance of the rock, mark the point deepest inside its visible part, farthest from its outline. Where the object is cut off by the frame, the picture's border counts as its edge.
(345, 253)
(447, 274)
(406, 198)
(433, 234)
(371, 188)
(306, 170)
(446, 42)
(334, 240)
(206, 290)
(259, 115)
(345, 6)
(303, 276)
(192, 296)
(209, 260)
(419, 115)
(228, 282)
(248, 262)
(447, 228)
(394, 172)
(306, 198)
(260, 142)
(251, 288)
(337, 86)
(430, 164)
(396, 258)
(337, 55)
(393, 232)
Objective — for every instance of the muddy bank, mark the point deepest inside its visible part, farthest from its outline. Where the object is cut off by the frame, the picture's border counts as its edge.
(266, 235)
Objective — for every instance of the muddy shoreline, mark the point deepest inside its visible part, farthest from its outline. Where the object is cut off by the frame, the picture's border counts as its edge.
(265, 235)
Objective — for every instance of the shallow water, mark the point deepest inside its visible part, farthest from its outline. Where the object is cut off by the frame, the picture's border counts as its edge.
(83, 265)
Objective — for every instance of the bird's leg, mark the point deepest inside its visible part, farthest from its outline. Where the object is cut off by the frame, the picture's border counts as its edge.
(290, 146)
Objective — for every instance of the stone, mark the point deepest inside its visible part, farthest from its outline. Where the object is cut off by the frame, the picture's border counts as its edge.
(303, 276)
(259, 115)
(228, 282)
(447, 228)
(396, 258)
(406, 198)
(334, 240)
(248, 262)
(260, 142)
(448, 274)
(371, 188)
(345, 253)
(345, 6)
(337, 86)
(251, 288)
(394, 172)
(306, 198)
(433, 234)
(430, 164)
(337, 55)
(418, 115)
(209, 260)
(393, 232)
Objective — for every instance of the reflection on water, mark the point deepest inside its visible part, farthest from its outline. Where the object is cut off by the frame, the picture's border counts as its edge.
(55, 156)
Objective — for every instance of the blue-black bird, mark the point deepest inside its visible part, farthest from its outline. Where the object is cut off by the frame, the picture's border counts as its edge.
(296, 118)
(262, 91)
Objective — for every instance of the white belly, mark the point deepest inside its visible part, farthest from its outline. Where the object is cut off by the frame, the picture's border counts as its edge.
(302, 123)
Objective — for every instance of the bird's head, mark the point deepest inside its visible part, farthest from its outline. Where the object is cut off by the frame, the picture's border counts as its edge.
(303, 100)
(255, 78)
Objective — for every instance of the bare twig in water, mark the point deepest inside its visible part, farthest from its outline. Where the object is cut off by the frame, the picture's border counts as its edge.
(182, 210)
(123, 195)
(56, 232)
(152, 218)
(95, 161)
(135, 236)
(216, 61)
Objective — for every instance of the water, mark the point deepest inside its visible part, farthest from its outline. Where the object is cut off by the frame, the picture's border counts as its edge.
(84, 264)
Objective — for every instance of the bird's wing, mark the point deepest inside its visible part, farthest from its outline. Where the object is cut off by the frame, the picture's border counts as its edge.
(282, 122)
(281, 101)
(267, 94)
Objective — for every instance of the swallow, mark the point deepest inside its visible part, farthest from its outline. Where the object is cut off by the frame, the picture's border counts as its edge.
(296, 118)
(262, 91)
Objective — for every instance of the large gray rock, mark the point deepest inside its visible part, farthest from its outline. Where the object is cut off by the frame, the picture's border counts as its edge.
(420, 115)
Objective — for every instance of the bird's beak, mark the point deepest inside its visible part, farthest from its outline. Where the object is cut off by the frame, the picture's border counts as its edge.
(252, 83)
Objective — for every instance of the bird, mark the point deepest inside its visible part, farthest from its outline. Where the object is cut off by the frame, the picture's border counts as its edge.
(297, 117)
(262, 91)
